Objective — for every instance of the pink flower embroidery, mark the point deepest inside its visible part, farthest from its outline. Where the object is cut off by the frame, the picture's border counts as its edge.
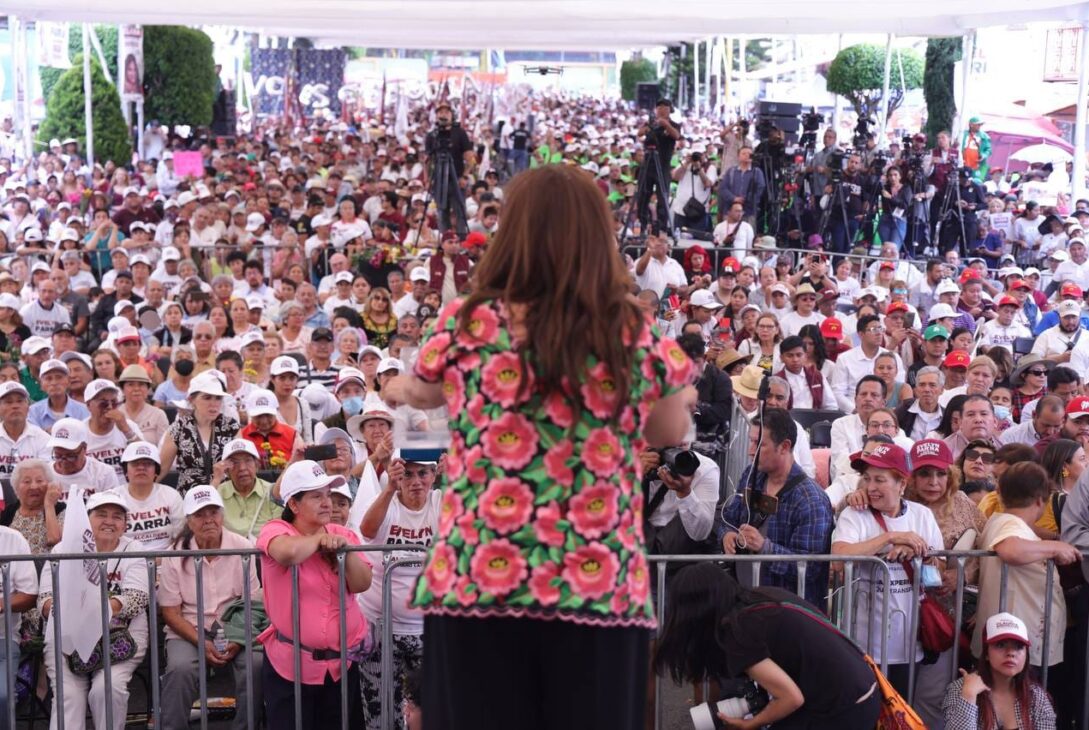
(601, 452)
(555, 461)
(467, 524)
(475, 410)
(483, 328)
(545, 525)
(678, 365)
(599, 391)
(453, 389)
(501, 379)
(452, 507)
(465, 596)
(506, 505)
(620, 602)
(638, 578)
(540, 584)
(593, 511)
(476, 473)
(498, 568)
(625, 532)
(559, 410)
(432, 358)
(510, 442)
(591, 571)
(440, 571)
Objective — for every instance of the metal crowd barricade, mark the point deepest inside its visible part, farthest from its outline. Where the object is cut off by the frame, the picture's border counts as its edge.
(842, 606)
(150, 558)
(737, 452)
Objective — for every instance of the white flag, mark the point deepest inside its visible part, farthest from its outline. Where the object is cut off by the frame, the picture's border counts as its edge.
(369, 489)
(80, 604)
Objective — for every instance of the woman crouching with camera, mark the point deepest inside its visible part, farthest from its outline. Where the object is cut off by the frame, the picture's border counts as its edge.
(716, 628)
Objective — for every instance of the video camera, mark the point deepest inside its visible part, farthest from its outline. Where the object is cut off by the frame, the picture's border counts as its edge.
(837, 162)
(862, 133)
(811, 122)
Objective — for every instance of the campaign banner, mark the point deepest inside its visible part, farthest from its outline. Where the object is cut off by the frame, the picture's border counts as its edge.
(130, 62)
(53, 45)
(318, 76)
(188, 164)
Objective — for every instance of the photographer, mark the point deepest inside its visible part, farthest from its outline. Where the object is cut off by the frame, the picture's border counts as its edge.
(449, 137)
(896, 202)
(714, 628)
(960, 225)
(847, 208)
(695, 178)
(742, 183)
(819, 168)
(680, 509)
(714, 389)
(659, 136)
(780, 511)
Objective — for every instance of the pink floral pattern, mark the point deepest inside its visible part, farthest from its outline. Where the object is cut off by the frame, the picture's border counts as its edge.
(542, 514)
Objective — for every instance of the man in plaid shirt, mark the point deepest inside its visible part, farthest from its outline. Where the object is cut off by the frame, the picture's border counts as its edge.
(781, 512)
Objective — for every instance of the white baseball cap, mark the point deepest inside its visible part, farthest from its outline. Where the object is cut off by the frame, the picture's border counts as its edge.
(206, 383)
(121, 306)
(140, 259)
(345, 276)
(348, 375)
(253, 301)
(1006, 626)
(171, 254)
(100, 499)
(73, 355)
(240, 446)
(704, 299)
(199, 497)
(370, 350)
(261, 402)
(250, 338)
(50, 365)
(10, 301)
(390, 363)
(97, 387)
(69, 234)
(254, 221)
(941, 310)
(306, 476)
(10, 386)
(35, 345)
(284, 364)
(946, 286)
(419, 274)
(68, 433)
(1069, 308)
(138, 450)
(185, 198)
(32, 235)
(320, 220)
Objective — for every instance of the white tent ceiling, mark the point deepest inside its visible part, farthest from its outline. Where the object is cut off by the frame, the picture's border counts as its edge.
(555, 24)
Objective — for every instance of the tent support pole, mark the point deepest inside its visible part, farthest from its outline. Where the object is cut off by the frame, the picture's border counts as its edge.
(1078, 173)
(835, 98)
(88, 117)
(882, 142)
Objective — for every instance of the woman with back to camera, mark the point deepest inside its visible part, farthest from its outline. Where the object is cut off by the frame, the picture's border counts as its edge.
(717, 629)
(536, 586)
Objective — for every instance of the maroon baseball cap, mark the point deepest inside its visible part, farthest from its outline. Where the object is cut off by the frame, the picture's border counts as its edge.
(931, 452)
(885, 456)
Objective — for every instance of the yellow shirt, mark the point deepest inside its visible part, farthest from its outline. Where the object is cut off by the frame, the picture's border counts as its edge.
(991, 504)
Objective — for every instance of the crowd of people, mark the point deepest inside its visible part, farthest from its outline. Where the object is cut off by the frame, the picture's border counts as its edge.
(226, 361)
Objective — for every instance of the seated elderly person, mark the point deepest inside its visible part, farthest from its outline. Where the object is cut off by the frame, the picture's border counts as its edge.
(344, 463)
(275, 440)
(38, 513)
(247, 500)
(374, 429)
(83, 683)
(224, 578)
(71, 466)
(1046, 422)
(155, 510)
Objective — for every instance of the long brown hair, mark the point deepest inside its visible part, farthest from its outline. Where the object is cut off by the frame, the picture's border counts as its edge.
(1022, 692)
(556, 252)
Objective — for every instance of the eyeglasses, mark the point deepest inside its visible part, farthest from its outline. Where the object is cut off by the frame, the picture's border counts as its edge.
(875, 330)
(987, 457)
(203, 337)
(107, 405)
(1040, 373)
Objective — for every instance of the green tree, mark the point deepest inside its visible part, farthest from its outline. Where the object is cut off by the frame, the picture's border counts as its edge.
(942, 55)
(107, 38)
(64, 114)
(857, 73)
(179, 75)
(635, 71)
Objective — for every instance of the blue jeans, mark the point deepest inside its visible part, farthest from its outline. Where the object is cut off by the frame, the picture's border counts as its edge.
(842, 236)
(892, 230)
(520, 158)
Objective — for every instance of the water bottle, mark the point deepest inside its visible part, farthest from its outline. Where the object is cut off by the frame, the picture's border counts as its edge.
(220, 641)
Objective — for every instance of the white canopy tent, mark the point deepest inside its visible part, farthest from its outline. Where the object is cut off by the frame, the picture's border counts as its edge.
(559, 24)
(576, 24)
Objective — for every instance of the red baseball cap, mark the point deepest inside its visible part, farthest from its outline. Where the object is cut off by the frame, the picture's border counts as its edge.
(731, 264)
(957, 359)
(885, 456)
(832, 328)
(968, 275)
(1022, 284)
(1070, 289)
(1008, 301)
(897, 307)
(828, 294)
(930, 452)
(887, 265)
(1078, 407)
(476, 238)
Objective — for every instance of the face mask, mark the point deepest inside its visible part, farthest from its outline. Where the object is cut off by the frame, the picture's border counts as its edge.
(1001, 413)
(184, 368)
(352, 406)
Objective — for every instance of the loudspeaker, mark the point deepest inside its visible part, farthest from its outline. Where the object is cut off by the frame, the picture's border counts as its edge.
(646, 94)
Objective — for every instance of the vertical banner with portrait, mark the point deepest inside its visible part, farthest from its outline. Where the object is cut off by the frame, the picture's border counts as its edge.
(130, 62)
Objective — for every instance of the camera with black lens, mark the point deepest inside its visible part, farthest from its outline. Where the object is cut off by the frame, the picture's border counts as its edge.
(680, 462)
(836, 163)
(697, 158)
(764, 128)
(741, 697)
(812, 121)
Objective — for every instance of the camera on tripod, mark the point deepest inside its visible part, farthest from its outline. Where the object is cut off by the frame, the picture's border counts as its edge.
(862, 132)
(811, 122)
(837, 161)
(741, 697)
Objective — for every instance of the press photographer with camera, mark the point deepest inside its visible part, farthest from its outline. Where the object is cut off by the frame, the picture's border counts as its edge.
(681, 488)
(779, 510)
(695, 178)
(844, 205)
(659, 136)
(715, 628)
(451, 150)
(819, 166)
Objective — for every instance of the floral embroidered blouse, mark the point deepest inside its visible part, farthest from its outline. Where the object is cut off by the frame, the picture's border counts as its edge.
(542, 511)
